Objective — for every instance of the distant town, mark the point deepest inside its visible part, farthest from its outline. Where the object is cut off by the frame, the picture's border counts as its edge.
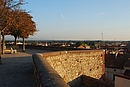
(90, 44)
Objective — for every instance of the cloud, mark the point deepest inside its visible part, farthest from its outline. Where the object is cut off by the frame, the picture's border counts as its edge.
(63, 16)
(99, 14)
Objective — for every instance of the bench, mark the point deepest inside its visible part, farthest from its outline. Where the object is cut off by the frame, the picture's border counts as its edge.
(10, 50)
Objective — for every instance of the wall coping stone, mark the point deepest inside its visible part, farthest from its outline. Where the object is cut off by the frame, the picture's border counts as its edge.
(47, 75)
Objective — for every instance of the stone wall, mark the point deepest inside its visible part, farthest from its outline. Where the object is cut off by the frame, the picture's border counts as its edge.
(72, 64)
(54, 48)
(45, 75)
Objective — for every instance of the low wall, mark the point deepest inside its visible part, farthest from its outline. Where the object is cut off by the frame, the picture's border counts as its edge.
(54, 48)
(45, 75)
(70, 65)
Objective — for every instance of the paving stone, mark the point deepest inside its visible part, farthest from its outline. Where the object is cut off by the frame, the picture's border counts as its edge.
(16, 69)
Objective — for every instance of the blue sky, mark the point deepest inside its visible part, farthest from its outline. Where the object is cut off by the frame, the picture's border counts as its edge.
(80, 19)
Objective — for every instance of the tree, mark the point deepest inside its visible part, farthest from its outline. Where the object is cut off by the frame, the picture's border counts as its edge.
(3, 21)
(27, 26)
(5, 7)
(22, 25)
(13, 27)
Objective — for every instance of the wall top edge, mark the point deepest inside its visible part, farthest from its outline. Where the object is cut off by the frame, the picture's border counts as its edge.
(66, 52)
(122, 76)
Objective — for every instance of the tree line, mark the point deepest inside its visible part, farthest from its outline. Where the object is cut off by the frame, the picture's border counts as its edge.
(15, 21)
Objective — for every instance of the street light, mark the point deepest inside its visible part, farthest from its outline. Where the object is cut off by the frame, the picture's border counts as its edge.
(102, 36)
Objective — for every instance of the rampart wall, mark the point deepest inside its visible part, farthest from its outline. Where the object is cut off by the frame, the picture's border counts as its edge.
(54, 48)
(70, 65)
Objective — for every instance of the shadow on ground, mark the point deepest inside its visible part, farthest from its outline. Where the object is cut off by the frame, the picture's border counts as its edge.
(16, 71)
(33, 51)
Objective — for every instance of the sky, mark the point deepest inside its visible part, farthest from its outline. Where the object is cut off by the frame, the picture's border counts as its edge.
(80, 19)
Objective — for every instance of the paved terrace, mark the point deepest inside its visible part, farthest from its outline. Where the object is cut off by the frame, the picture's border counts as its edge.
(17, 69)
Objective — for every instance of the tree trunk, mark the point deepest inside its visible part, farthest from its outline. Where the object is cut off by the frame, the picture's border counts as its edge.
(23, 44)
(0, 49)
(3, 43)
(15, 42)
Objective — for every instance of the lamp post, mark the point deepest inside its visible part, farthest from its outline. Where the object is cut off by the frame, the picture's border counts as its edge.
(102, 36)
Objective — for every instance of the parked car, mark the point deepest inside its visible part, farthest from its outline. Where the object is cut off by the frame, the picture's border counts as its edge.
(10, 50)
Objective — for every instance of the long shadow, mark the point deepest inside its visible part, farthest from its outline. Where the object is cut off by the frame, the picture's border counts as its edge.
(33, 51)
(16, 71)
(87, 81)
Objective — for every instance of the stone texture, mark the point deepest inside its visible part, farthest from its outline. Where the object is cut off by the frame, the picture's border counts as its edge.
(72, 64)
(46, 76)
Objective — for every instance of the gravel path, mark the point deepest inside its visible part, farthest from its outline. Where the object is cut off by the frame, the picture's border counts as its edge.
(16, 69)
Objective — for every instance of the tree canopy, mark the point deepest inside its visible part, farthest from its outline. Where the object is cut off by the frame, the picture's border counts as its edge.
(5, 7)
(22, 25)
(15, 21)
